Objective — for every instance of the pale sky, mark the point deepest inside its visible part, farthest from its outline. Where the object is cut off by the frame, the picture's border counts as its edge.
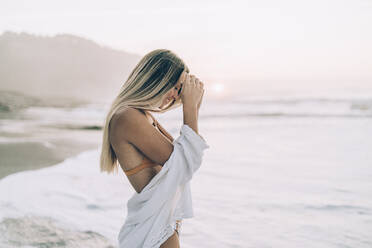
(290, 40)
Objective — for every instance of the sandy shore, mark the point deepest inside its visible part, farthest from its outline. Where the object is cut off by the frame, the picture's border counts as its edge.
(20, 156)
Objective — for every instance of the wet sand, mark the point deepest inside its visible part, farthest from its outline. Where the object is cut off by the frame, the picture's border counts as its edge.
(32, 155)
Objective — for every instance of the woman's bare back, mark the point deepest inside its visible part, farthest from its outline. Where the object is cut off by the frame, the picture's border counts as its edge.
(130, 156)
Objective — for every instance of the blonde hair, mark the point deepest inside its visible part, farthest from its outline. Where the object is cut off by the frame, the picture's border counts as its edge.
(155, 74)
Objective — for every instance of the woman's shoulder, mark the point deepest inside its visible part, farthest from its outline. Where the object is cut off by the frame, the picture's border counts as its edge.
(128, 114)
(129, 118)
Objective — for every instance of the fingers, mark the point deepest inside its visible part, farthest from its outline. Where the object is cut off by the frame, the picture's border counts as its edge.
(187, 79)
(194, 81)
(184, 76)
(200, 84)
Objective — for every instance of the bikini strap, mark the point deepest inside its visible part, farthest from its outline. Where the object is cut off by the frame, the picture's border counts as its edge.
(146, 163)
(161, 128)
(154, 120)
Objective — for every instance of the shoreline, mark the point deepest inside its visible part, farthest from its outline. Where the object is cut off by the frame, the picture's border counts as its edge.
(32, 155)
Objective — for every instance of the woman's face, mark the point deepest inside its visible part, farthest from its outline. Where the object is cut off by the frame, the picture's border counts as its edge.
(174, 93)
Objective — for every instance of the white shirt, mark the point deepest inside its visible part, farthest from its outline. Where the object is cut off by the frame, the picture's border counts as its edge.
(152, 213)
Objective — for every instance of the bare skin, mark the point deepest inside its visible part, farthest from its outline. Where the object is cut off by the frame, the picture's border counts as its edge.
(172, 242)
(131, 146)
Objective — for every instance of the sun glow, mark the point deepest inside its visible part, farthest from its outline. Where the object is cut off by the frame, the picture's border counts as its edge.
(218, 88)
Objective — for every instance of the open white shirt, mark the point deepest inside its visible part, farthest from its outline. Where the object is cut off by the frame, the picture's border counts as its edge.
(152, 213)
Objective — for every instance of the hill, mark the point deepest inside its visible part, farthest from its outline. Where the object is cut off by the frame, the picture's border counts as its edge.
(62, 66)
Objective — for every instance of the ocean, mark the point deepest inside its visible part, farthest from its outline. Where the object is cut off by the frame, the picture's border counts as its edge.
(282, 170)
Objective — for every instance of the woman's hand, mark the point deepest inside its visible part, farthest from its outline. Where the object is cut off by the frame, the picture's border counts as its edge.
(201, 99)
(192, 91)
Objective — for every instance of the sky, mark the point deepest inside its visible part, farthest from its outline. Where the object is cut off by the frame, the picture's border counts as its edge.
(266, 42)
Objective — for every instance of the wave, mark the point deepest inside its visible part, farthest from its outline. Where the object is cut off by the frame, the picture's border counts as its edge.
(290, 107)
(75, 126)
(290, 101)
(287, 115)
(37, 231)
(71, 195)
(335, 207)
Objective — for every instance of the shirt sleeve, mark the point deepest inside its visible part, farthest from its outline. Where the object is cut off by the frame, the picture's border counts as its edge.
(190, 148)
(184, 160)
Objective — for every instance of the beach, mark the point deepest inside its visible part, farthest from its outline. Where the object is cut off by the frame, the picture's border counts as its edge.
(38, 154)
(282, 171)
(285, 89)
(43, 136)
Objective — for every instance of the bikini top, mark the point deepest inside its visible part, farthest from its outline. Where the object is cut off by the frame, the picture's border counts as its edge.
(146, 163)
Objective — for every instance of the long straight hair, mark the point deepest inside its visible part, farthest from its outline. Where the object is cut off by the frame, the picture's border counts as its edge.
(155, 74)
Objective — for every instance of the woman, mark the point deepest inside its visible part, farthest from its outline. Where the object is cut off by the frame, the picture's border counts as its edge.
(158, 167)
